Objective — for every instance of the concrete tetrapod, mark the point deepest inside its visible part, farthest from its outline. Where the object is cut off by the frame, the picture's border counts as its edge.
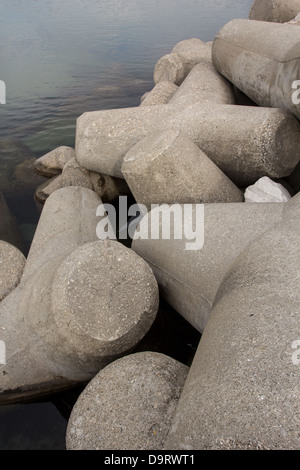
(223, 132)
(129, 405)
(189, 275)
(53, 162)
(242, 391)
(192, 51)
(176, 66)
(277, 11)
(262, 59)
(169, 168)
(81, 302)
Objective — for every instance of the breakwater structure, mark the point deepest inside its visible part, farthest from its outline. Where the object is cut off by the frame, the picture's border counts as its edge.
(219, 131)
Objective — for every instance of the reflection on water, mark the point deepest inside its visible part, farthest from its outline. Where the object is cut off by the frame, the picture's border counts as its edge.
(58, 60)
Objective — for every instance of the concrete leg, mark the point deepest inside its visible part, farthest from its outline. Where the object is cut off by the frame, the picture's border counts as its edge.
(262, 60)
(278, 11)
(129, 405)
(169, 168)
(223, 132)
(189, 279)
(242, 391)
(81, 302)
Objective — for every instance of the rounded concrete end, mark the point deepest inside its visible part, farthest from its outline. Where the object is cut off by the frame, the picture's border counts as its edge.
(129, 405)
(104, 299)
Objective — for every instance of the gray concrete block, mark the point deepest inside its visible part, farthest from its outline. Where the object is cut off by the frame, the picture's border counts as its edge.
(170, 68)
(160, 94)
(189, 278)
(12, 263)
(242, 391)
(223, 132)
(53, 162)
(176, 66)
(203, 84)
(278, 11)
(261, 59)
(81, 302)
(169, 168)
(129, 405)
(192, 51)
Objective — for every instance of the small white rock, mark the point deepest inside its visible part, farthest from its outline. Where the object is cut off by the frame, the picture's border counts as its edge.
(296, 20)
(266, 190)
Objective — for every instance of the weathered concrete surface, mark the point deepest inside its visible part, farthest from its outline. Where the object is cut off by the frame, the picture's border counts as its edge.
(74, 175)
(129, 405)
(266, 190)
(170, 68)
(12, 263)
(48, 187)
(160, 94)
(189, 279)
(81, 302)
(106, 187)
(176, 66)
(104, 137)
(192, 51)
(53, 162)
(262, 59)
(68, 221)
(203, 84)
(277, 11)
(169, 168)
(242, 391)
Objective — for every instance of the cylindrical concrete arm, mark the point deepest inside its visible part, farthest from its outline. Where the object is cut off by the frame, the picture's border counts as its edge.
(277, 11)
(189, 278)
(262, 59)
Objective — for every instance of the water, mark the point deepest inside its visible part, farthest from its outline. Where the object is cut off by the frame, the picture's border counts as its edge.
(58, 60)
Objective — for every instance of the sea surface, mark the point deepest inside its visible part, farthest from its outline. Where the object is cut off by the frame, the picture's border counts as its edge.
(58, 59)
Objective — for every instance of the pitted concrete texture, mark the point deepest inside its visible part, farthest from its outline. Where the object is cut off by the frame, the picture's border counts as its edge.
(277, 11)
(242, 391)
(12, 263)
(189, 279)
(53, 162)
(129, 405)
(262, 59)
(203, 84)
(170, 68)
(81, 302)
(192, 51)
(176, 66)
(169, 168)
(223, 132)
(160, 94)
(104, 299)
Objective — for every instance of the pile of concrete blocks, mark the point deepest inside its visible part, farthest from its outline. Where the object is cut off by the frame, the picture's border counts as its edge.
(61, 168)
(78, 308)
